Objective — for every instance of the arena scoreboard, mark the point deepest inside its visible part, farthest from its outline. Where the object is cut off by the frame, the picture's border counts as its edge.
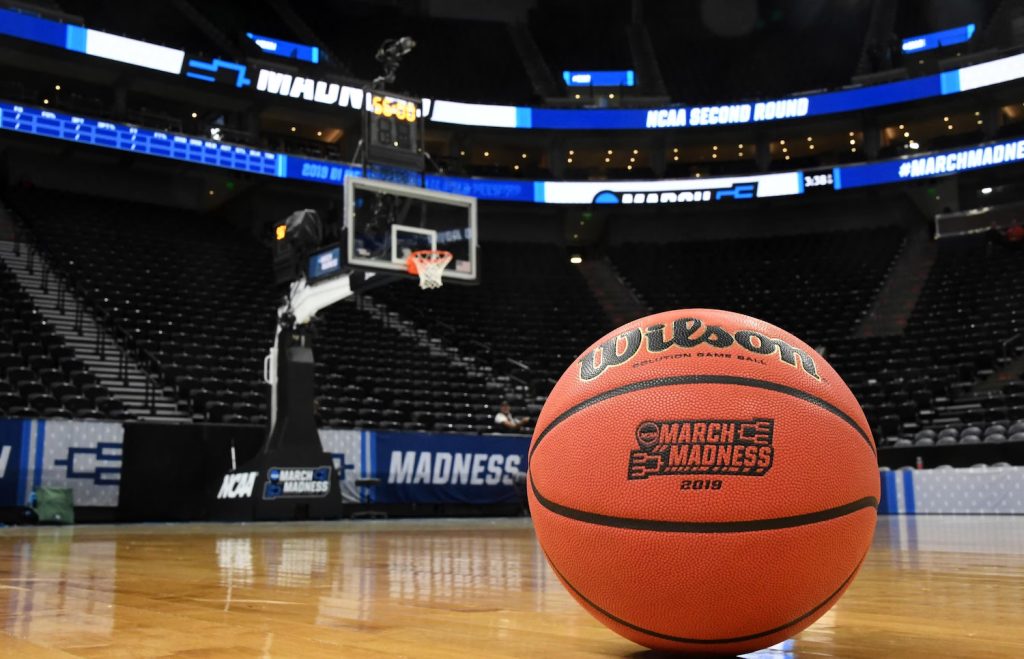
(393, 130)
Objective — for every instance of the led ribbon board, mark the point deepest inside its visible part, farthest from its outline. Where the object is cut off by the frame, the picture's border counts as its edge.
(314, 90)
(662, 192)
(942, 163)
(940, 39)
(626, 78)
(283, 48)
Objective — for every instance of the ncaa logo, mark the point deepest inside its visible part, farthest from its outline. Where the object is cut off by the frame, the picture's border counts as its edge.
(237, 486)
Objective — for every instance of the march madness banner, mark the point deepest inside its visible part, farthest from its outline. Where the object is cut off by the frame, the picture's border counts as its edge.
(421, 468)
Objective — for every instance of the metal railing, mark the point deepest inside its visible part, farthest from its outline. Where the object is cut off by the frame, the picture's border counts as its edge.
(108, 327)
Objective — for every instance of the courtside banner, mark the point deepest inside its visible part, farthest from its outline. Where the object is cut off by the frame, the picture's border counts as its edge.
(471, 469)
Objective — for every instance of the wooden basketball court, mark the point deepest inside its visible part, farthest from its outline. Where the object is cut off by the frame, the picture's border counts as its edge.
(932, 586)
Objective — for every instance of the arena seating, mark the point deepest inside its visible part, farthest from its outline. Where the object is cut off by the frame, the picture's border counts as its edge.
(197, 299)
(937, 377)
(468, 347)
(531, 315)
(39, 375)
(820, 287)
(816, 286)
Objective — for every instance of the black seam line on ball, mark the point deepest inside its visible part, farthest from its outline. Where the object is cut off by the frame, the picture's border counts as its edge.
(738, 526)
(703, 379)
(704, 641)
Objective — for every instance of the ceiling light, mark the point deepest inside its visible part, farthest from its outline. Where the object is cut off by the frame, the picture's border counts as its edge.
(571, 152)
(609, 152)
(787, 157)
(675, 150)
(607, 159)
(741, 154)
(853, 141)
(950, 126)
(851, 133)
(46, 101)
(675, 157)
(630, 167)
(462, 153)
(741, 146)
(986, 190)
(976, 113)
(632, 159)
(577, 97)
(785, 149)
(319, 133)
(524, 156)
(901, 126)
(515, 167)
(714, 155)
(636, 151)
(575, 260)
(853, 149)
(810, 139)
(57, 88)
(714, 148)
(906, 133)
(945, 118)
(782, 141)
(811, 147)
(487, 154)
(293, 129)
(194, 115)
(611, 95)
(568, 160)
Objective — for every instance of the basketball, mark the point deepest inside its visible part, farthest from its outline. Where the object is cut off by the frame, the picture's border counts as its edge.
(703, 481)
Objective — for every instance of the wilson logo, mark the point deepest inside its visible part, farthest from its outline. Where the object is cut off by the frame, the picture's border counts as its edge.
(708, 446)
(688, 333)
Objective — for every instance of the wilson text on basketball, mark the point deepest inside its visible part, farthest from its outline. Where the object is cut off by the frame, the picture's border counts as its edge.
(738, 447)
(688, 333)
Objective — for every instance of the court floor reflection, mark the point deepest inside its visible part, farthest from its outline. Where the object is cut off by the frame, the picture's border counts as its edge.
(950, 586)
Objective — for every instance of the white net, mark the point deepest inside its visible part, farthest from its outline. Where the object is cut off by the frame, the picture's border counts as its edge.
(430, 265)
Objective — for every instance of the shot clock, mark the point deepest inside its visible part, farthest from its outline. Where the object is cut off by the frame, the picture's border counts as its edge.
(392, 130)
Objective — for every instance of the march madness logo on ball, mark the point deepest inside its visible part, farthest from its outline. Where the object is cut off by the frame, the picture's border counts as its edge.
(709, 446)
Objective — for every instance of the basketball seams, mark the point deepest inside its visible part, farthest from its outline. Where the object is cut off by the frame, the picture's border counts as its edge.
(737, 526)
(704, 379)
(699, 641)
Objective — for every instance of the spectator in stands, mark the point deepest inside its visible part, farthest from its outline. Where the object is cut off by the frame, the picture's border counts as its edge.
(504, 420)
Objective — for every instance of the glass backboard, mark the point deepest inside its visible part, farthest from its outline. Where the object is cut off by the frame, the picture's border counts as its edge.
(386, 222)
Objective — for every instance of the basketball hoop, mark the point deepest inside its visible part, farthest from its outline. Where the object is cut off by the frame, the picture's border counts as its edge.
(429, 264)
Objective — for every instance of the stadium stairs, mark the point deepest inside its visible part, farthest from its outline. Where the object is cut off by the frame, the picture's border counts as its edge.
(436, 346)
(619, 302)
(114, 368)
(892, 308)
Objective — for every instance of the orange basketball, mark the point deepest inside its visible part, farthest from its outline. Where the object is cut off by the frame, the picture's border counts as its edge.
(703, 481)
